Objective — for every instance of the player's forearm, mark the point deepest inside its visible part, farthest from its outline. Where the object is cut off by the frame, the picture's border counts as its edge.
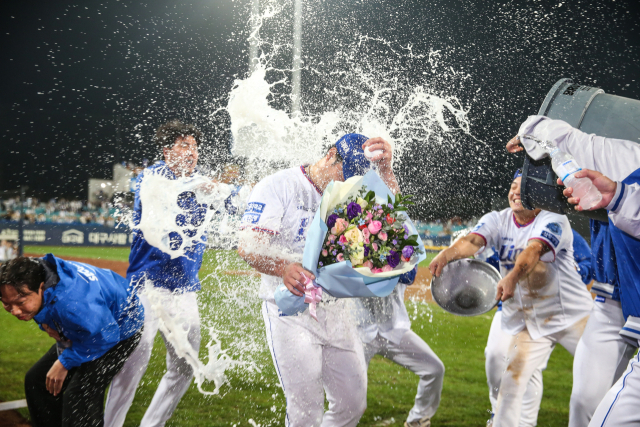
(264, 264)
(464, 248)
(525, 263)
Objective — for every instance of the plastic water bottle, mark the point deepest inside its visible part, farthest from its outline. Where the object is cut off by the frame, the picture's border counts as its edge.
(565, 166)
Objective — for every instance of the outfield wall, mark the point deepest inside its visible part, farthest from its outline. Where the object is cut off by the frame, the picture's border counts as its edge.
(50, 234)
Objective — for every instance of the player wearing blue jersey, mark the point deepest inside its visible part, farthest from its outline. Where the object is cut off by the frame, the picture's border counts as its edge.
(176, 278)
(95, 317)
(616, 266)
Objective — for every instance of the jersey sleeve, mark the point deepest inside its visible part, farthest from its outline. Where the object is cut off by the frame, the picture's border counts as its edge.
(624, 209)
(555, 232)
(489, 229)
(615, 158)
(265, 207)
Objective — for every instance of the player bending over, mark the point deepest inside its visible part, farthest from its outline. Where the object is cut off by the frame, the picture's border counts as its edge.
(96, 319)
(310, 357)
(544, 299)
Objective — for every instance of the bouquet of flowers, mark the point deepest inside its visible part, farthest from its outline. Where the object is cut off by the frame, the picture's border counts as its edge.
(370, 234)
(358, 244)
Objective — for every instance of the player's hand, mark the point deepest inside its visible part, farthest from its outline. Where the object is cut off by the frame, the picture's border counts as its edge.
(606, 187)
(52, 332)
(293, 278)
(514, 145)
(438, 263)
(506, 289)
(56, 377)
(382, 160)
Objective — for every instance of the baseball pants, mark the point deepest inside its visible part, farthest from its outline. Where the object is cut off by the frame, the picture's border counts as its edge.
(175, 381)
(313, 358)
(415, 355)
(619, 407)
(495, 364)
(525, 355)
(601, 358)
(81, 401)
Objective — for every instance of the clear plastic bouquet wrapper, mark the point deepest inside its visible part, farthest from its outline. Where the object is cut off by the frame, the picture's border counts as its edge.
(359, 243)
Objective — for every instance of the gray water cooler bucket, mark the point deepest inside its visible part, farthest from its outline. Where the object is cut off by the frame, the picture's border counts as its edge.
(590, 110)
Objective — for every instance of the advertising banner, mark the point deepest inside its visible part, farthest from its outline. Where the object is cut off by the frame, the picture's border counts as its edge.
(49, 234)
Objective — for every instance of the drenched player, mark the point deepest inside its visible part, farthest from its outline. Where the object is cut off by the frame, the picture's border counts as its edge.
(498, 342)
(177, 278)
(544, 300)
(96, 319)
(310, 357)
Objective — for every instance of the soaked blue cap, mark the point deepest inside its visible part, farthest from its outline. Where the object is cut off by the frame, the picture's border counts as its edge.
(518, 174)
(354, 163)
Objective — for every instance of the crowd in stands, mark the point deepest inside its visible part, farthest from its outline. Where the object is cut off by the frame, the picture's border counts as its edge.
(443, 227)
(58, 211)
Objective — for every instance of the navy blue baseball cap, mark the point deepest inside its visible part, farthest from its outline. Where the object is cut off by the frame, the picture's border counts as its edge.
(354, 162)
(518, 174)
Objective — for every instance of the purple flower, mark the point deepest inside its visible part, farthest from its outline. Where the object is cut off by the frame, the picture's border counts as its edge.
(406, 236)
(393, 259)
(390, 205)
(334, 253)
(366, 251)
(331, 221)
(321, 264)
(353, 210)
(394, 241)
(407, 251)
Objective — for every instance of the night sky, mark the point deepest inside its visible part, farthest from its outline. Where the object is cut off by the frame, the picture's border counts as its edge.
(85, 84)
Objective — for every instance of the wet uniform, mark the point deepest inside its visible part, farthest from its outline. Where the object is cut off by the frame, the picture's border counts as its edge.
(549, 306)
(310, 357)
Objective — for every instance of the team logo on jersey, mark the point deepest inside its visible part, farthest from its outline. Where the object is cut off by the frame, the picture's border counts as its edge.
(551, 238)
(255, 207)
(250, 218)
(555, 228)
(477, 227)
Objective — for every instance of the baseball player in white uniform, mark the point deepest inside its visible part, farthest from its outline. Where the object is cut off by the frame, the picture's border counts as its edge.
(385, 329)
(544, 299)
(311, 357)
(615, 321)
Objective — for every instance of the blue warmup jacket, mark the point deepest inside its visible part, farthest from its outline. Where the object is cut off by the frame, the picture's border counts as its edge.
(615, 254)
(582, 257)
(178, 274)
(91, 307)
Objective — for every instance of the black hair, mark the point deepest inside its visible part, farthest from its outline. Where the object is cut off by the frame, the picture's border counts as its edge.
(168, 133)
(24, 274)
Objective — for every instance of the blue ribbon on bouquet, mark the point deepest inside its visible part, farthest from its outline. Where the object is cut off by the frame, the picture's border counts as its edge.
(340, 279)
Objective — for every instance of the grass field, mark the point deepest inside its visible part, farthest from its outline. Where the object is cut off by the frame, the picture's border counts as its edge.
(228, 304)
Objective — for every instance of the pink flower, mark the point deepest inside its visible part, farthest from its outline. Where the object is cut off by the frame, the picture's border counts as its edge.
(376, 270)
(340, 257)
(366, 233)
(332, 248)
(405, 259)
(368, 264)
(341, 225)
(375, 227)
(369, 216)
(386, 268)
(383, 235)
(332, 238)
(324, 252)
(380, 212)
(342, 239)
(375, 246)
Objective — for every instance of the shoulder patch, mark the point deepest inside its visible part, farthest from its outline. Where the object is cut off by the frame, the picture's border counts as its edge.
(477, 227)
(555, 228)
(255, 207)
(551, 238)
